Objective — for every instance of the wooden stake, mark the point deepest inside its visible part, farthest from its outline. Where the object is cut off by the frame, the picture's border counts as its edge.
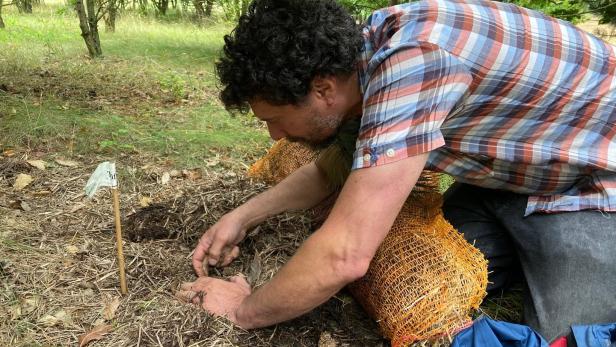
(118, 234)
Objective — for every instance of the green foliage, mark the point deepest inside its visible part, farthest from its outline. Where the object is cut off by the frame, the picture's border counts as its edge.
(361, 9)
(232, 9)
(606, 9)
(570, 10)
(174, 83)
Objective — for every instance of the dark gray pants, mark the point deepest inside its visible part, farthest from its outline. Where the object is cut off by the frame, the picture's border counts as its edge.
(567, 259)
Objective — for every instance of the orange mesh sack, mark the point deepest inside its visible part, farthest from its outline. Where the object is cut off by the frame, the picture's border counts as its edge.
(425, 278)
(281, 160)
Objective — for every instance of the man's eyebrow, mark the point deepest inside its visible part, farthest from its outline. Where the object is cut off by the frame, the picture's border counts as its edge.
(267, 118)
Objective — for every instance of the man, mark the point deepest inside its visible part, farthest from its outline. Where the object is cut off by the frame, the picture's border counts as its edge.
(520, 108)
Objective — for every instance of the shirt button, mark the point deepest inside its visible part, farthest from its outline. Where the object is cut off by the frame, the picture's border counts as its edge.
(390, 152)
(366, 157)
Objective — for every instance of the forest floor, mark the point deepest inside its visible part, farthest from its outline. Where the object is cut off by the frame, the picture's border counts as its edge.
(150, 105)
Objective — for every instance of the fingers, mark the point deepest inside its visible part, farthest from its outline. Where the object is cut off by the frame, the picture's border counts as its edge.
(230, 256)
(190, 297)
(185, 295)
(199, 256)
(215, 251)
(198, 298)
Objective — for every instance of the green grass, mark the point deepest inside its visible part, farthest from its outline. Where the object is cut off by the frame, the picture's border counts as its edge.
(185, 136)
(152, 93)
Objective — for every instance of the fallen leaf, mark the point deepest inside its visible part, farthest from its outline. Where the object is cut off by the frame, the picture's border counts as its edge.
(192, 174)
(39, 164)
(165, 178)
(50, 320)
(71, 249)
(99, 321)
(69, 163)
(24, 206)
(15, 311)
(96, 333)
(212, 163)
(175, 173)
(8, 153)
(28, 305)
(145, 201)
(110, 308)
(326, 340)
(22, 181)
(255, 268)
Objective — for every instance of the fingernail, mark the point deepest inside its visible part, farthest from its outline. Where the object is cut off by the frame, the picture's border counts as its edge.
(212, 262)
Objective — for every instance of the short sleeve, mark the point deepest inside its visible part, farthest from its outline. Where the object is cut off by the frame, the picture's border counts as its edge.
(407, 97)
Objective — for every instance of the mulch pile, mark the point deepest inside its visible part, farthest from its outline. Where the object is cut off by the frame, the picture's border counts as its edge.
(59, 275)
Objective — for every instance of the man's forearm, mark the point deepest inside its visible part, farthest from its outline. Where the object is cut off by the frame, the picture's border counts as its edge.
(303, 189)
(341, 250)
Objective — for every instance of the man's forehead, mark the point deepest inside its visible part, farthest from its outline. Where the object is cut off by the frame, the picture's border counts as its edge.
(265, 110)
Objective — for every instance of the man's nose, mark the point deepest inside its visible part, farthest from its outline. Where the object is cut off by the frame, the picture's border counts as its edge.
(275, 132)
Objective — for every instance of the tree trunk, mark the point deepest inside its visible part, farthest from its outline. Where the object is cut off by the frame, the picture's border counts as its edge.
(93, 22)
(199, 9)
(89, 27)
(208, 7)
(110, 17)
(161, 6)
(1, 21)
(24, 6)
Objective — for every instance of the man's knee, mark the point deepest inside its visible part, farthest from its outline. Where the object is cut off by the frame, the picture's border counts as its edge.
(466, 209)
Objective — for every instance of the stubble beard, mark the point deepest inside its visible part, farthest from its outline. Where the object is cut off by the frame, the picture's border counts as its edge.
(323, 130)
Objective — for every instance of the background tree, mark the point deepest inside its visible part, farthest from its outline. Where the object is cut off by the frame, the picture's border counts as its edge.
(88, 22)
(161, 6)
(1, 21)
(110, 15)
(199, 8)
(209, 4)
(24, 6)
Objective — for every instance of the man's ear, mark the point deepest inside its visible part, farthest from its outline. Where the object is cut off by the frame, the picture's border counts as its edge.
(324, 88)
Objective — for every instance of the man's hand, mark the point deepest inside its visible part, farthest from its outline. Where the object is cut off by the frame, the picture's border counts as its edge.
(304, 188)
(216, 296)
(218, 245)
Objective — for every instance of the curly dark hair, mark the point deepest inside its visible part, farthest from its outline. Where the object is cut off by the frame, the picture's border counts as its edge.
(280, 46)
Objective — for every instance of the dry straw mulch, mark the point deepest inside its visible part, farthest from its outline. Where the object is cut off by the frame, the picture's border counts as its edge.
(58, 269)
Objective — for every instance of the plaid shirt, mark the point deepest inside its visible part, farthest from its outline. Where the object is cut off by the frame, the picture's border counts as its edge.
(503, 97)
